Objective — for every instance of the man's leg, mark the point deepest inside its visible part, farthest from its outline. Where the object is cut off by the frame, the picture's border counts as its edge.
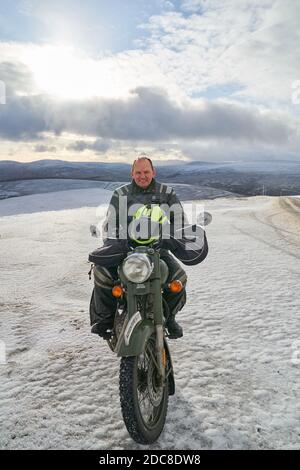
(175, 301)
(103, 305)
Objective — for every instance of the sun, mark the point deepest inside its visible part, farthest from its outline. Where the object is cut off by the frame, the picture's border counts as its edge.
(59, 71)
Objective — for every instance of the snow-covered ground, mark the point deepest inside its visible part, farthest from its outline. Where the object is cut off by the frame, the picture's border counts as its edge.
(237, 368)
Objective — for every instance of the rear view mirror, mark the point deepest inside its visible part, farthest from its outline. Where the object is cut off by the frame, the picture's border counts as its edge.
(204, 218)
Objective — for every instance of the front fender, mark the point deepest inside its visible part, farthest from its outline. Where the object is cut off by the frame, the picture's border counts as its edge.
(170, 369)
(139, 336)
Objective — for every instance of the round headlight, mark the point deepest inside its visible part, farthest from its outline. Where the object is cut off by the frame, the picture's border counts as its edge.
(137, 267)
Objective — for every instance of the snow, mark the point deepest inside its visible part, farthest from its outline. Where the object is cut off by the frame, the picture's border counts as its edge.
(54, 201)
(34, 186)
(237, 368)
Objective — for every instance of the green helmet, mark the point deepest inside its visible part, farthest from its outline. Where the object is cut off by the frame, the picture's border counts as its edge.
(147, 221)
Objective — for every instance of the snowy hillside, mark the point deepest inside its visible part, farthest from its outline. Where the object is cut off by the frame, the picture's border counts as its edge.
(185, 192)
(237, 368)
(247, 178)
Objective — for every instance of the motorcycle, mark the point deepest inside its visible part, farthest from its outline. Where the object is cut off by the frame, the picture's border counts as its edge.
(139, 338)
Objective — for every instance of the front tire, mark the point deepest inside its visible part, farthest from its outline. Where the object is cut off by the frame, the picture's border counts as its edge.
(144, 400)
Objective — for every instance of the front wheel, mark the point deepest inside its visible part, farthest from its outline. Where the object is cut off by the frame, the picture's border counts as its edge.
(144, 397)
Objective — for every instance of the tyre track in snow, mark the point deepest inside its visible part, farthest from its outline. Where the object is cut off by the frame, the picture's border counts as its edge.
(257, 294)
(283, 233)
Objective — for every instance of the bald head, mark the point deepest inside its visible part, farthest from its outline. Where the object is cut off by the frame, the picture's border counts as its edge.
(143, 171)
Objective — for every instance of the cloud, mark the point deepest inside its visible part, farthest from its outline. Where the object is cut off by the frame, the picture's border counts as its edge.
(204, 45)
(17, 78)
(236, 151)
(252, 44)
(149, 114)
(228, 67)
(98, 146)
(44, 148)
(192, 6)
(23, 118)
(168, 5)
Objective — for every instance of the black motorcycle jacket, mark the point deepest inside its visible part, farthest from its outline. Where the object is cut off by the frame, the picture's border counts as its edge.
(125, 201)
(127, 198)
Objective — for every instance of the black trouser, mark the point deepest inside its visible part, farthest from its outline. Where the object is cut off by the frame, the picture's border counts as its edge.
(103, 305)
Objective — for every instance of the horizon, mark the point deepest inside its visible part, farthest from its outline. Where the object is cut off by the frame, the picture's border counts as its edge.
(266, 159)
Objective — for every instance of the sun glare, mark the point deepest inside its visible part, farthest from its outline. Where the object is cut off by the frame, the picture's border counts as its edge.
(59, 72)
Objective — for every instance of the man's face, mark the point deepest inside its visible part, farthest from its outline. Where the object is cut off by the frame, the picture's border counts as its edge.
(142, 173)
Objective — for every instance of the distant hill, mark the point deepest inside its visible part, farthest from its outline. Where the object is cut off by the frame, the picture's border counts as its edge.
(11, 170)
(244, 178)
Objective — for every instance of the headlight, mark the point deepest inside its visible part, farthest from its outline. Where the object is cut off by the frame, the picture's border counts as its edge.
(137, 267)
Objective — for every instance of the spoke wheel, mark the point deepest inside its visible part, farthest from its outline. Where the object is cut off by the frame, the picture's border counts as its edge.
(144, 396)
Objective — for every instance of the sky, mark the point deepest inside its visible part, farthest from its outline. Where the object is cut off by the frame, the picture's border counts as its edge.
(210, 80)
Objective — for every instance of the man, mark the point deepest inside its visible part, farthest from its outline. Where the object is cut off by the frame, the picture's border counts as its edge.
(127, 208)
